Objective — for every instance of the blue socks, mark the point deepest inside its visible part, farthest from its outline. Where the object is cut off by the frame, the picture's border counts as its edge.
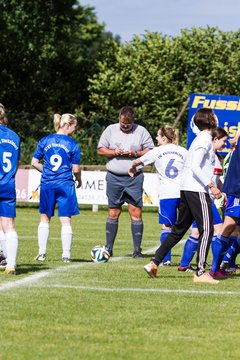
(232, 252)
(163, 236)
(219, 247)
(189, 251)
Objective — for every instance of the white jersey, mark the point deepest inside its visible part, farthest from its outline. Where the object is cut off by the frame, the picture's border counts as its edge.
(199, 166)
(169, 162)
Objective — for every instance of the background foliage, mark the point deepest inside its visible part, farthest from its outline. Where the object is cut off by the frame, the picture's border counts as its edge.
(56, 57)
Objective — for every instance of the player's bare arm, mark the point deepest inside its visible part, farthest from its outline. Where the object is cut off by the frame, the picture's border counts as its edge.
(110, 153)
(36, 164)
(77, 174)
(132, 171)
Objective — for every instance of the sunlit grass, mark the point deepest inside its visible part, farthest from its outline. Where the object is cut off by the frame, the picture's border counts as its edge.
(111, 311)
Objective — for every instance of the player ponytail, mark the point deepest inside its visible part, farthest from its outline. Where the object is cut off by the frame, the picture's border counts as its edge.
(170, 133)
(61, 120)
(3, 117)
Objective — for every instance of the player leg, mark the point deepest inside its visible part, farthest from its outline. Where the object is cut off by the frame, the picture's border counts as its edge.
(46, 209)
(67, 207)
(133, 191)
(11, 244)
(112, 228)
(221, 244)
(137, 229)
(8, 213)
(202, 210)
(189, 250)
(183, 223)
(229, 259)
(167, 216)
(2, 242)
(66, 237)
(43, 236)
(3, 251)
(114, 191)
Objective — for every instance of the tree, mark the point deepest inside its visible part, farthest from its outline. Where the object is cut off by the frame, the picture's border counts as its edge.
(48, 50)
(156, 73)
(47, 54)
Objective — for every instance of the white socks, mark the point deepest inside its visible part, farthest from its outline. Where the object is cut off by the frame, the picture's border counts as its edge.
(66, 236)
(43, 235)
(11, 248)
(3, 243)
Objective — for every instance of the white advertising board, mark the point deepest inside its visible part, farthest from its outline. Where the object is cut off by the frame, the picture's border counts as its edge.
(93, 189)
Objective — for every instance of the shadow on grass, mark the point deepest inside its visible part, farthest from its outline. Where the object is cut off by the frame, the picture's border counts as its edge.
(32, 268)
(27, 268)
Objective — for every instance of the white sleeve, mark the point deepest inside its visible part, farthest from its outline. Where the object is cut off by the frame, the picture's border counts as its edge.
(149, 157)
(196, 166)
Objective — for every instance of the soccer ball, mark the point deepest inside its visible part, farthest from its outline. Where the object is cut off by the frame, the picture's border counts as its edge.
(99, 254)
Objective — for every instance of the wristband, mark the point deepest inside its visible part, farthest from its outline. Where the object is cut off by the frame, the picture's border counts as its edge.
(135, 154)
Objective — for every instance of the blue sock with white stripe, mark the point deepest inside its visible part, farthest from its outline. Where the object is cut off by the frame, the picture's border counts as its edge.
(231, 254)
(163, 236)
(189, 251)
(219, 247)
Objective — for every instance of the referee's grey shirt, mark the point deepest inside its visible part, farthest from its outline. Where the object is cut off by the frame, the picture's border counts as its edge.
(113, 137)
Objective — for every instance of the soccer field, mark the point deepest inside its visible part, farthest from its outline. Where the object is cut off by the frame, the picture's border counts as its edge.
(111, 311)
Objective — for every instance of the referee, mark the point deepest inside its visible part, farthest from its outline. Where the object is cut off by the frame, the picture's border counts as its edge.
(121, 143)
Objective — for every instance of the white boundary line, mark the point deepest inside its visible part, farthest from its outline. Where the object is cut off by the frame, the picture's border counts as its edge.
(30, 280)
(166, 291)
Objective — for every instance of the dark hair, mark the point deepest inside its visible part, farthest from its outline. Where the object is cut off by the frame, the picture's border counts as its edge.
(205, 119)
(219, 133)
(128, 112)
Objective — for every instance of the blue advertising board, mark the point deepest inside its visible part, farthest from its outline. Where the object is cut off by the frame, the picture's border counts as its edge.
(226, 108)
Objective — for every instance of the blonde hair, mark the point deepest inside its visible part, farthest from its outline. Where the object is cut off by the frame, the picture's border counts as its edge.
(170, 133)
(61, 120)
(3, 117)
(235, 139)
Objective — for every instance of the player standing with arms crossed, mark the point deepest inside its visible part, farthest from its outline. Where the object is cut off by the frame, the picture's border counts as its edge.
(61, 156)
(9, 161)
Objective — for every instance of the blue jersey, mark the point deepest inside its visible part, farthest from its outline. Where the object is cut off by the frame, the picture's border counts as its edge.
(59, 153)
(231, 184)
(9, 157)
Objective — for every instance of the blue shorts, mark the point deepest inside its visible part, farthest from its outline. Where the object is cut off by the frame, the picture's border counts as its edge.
(233, 207)
(8, 201)
(216, 217)
(124, 188)
(168, 209)
(64, 196)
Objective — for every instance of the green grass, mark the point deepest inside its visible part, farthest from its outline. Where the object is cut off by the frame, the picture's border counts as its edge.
(111, 311)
